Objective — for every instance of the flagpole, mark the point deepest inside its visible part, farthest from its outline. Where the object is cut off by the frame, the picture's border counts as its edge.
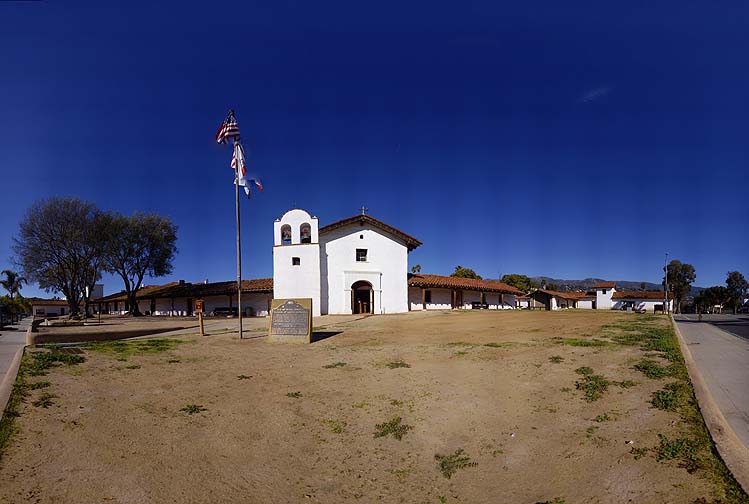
(239, 248)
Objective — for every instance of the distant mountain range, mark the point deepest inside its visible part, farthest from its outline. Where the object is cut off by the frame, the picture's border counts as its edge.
(588, 283)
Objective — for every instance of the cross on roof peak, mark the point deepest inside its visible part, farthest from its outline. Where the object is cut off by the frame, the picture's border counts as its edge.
(364, 210)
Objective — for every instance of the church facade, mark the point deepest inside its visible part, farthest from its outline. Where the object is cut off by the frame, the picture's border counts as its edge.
(354, 265)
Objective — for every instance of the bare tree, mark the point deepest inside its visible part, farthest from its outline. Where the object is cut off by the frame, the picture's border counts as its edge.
(95, 239)
(141, 245)
(54, 244)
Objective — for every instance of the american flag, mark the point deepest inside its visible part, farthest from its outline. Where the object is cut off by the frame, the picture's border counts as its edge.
(229, 129)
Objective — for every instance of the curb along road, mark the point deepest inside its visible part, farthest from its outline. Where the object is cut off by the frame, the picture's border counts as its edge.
(9, 377)
(731, 449)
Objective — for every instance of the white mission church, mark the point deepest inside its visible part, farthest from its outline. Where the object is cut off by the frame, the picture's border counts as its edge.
(354, 265)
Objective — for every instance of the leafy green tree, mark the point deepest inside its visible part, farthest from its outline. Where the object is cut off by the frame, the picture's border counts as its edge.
(462, 272)
(521, 282)
(16, 306)
(140, 245)
(12, 282)
(737, 287)
(643, 285)
(553, 287)
(680, 277)
(416, 268)
(710, 297)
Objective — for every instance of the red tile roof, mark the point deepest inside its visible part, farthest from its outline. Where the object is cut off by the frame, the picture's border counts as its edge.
(197, 290)
(48, 302)
(567, 295)
(605, 285)
(410, 241)
(577, 295)
(449, 282)
(639, 295)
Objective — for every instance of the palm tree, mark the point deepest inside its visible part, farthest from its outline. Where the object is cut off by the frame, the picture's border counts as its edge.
(12, 283)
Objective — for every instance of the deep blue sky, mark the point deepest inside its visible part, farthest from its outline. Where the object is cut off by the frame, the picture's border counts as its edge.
(546, 138)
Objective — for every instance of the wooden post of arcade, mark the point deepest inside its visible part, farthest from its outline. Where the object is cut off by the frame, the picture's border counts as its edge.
(199, 309)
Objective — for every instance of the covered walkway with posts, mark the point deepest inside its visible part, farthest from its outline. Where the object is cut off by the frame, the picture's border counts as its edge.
(437, 292)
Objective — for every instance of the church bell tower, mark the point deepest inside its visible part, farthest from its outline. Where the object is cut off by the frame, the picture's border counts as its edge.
(296, 257)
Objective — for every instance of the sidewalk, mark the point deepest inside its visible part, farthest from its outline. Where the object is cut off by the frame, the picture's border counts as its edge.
(723, 361)
(12, 341)
(12, 338)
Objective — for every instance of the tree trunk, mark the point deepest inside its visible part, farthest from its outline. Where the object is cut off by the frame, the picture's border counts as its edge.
(134, 310)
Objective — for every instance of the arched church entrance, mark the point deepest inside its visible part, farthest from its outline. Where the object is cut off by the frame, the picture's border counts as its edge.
(362, 297)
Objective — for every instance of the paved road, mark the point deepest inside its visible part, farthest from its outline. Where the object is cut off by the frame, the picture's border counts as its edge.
(723, 360)
(11, 339)
(736, 324)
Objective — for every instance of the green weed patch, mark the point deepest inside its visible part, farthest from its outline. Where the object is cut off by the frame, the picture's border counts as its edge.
(44, 401)
(397, 364)
(578, 342)
(192, 409)
(18, 393)
(448, 465)
(653, 370)
(334, 365)
(127, 348)
(392, 427)
(671, 397)
(593, 386)
(41, 361)
(499, 344)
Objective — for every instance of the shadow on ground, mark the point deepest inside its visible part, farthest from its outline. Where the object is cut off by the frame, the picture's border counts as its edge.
(322, 335)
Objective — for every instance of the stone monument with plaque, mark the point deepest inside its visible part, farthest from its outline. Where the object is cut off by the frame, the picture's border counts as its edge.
(291, 320)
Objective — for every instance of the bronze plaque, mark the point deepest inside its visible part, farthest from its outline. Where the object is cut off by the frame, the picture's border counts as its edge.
(291, 319)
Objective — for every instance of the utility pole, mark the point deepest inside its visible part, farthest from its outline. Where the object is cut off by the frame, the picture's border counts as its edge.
(665, 291)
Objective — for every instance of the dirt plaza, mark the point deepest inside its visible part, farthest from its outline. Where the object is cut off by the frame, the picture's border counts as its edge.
(429, 407)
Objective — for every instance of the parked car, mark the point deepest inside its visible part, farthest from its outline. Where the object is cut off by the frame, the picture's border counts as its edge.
(224, 312)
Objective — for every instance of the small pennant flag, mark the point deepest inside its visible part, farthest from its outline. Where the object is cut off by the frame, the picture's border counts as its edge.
(229, 129)
(239, 163)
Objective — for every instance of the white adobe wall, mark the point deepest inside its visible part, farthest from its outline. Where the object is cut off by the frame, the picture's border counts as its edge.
(603, 301)
(641, 304)
(302, 281)
(470, 297)
(253, 304)
(441, 299)
(43, 310)
(553, 302)
(585, 304)
(258, 302)
(386, 268)
(522, 303)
